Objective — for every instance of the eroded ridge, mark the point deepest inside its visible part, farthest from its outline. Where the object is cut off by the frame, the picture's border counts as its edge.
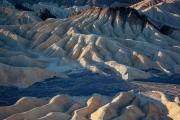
(125, 105)
(116, 38)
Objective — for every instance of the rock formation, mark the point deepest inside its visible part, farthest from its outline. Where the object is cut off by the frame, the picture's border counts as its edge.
(160, 12)
(15, 17)
(151, 110)
(118, 38)
(173, 107)
(24, 76)
(23, 104)
(124, 41)
(124, 106)
(59, 12)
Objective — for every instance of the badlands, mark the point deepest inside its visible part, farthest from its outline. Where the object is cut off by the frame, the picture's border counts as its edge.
(124, 106)
(130, 40)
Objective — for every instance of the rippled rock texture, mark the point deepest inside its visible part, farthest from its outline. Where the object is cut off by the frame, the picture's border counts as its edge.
(124, 106)
(116, 38)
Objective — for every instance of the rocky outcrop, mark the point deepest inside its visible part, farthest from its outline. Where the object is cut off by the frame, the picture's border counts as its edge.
(172, 107)
(131, 112)
(162, 13)
(124, 106)
(56, 104)
(151, 110)
(126, 42)
(22, 61)
(59, 12)
(24, 76)
(119, 39)
(92, 104)
(23, 104)
(13, 17)
(111, 109)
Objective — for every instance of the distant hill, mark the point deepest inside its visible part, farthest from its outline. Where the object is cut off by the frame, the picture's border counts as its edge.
(76, 2)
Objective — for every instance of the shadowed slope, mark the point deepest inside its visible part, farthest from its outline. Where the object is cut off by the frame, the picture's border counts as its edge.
(76, 2)
(117, 38)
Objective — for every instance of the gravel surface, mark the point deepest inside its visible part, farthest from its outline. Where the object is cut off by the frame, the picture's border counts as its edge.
(87, 83)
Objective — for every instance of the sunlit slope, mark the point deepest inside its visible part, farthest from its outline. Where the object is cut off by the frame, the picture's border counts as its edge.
(117, 38)
(124, 106)
(161, 12)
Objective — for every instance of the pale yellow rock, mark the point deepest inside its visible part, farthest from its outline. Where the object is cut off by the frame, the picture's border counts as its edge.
(124, 106)
(131, 112)
(74, 107)
(92, 104)
(127, 73)
(111, 109)
(22, 61)
(9, 53)
(55, 116)
(96, 37)
(23, 77)
(56, 104)
(140, 61)
(177, 100)
(172, 107)
(23, 104)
